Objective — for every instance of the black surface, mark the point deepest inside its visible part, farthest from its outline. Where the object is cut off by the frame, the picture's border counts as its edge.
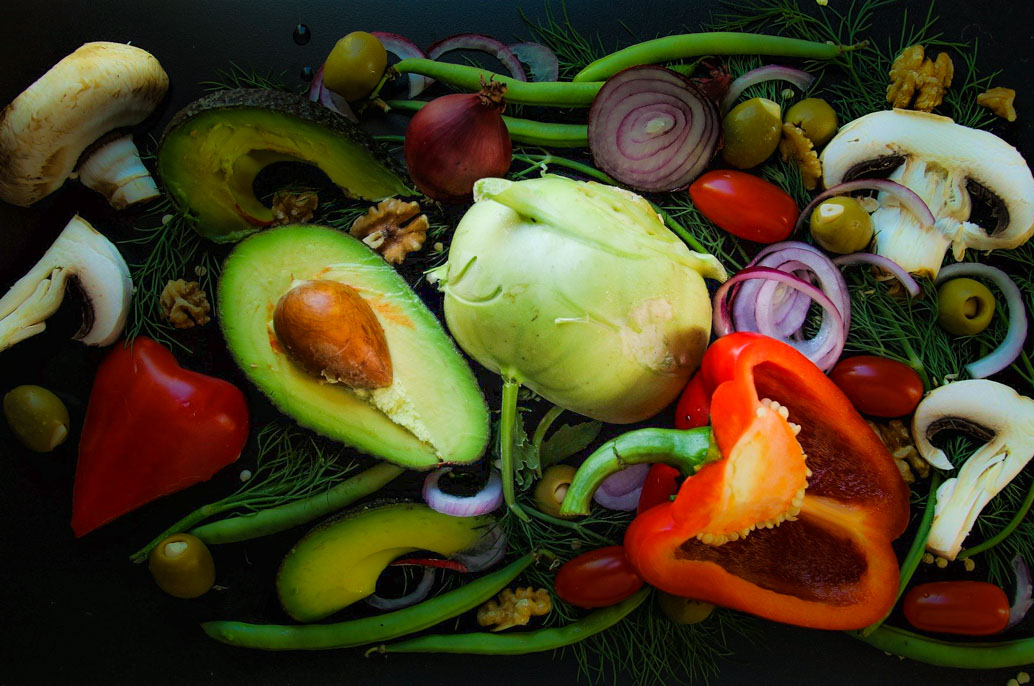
(75, 611)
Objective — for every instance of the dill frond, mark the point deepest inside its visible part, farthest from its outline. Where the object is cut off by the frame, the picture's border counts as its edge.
(237, 76)
(574, 51)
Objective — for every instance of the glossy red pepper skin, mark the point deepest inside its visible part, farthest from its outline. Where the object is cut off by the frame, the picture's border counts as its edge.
(745, 205)
(598, 578)
(152, 428)
(831, 566)
(968, 608)
(878, 386)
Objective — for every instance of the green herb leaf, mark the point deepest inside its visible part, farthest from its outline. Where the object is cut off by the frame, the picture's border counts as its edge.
(567, 441)
(525, 454)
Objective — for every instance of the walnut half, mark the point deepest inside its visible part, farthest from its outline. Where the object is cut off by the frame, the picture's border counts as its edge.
(384, 229)
(184, 304)
(1000, 101)
(798, 147)
(514, 608)
(926, 79)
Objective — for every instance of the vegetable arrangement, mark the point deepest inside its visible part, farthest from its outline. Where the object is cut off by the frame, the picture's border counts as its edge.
(742, 294)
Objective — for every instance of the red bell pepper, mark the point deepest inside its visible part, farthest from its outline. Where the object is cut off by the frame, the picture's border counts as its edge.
(741, 533)
(152, 428)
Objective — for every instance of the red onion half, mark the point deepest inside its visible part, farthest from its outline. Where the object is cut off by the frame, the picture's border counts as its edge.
(487, 499)
(652, 129)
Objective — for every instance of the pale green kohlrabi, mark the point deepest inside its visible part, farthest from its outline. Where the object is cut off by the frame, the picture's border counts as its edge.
(578, 291)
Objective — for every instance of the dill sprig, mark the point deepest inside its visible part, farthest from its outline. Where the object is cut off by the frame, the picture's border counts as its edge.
(729, 251)
(573, 50)
(237, 76)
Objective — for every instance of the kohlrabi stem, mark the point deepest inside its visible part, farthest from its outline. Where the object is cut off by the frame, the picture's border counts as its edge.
(1004, 533)
(544, 93)
(689, 45)
(544, 424)
(524, 131)
(933, 651)
(507, 420)
(915, 551)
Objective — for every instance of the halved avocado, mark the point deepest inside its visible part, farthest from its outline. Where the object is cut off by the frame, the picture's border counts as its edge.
(338, 562)
(212, 150)
(432, 413)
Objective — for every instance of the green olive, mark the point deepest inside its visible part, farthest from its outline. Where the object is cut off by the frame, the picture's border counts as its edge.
(552, 487)
(355, 65)
(841, 225)
(182, 566)
(751, 133)
(683, 610)
(37, 417)
(964, 306)
(816, 118)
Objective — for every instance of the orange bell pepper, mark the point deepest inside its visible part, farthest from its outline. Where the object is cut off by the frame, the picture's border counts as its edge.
(795, 522)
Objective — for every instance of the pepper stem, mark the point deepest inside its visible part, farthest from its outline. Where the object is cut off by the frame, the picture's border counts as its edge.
(507, 420)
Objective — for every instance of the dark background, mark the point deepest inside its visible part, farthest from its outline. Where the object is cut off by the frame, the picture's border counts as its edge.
(76, 611)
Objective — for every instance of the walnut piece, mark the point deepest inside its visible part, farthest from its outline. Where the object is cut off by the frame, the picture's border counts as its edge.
(898, 439)
(514, 608)
(184, 304)
(796, 146)
(294, 208)
(926, 79)
(1000, 101)
(384, 229)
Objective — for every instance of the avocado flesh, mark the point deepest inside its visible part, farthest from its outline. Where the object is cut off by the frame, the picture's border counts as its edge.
(212, 151)
(432, 413)
(338, 562)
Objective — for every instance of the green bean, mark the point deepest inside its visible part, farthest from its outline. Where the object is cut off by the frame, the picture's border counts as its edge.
(284, 517)
(686, 450)
(683, 46)
(524, 131)
(519, 643)
(368, 630)
(933, 651)
(547, 93)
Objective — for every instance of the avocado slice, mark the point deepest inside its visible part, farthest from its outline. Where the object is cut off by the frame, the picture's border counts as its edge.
(212, 150)
(432, 413)
(338, 562)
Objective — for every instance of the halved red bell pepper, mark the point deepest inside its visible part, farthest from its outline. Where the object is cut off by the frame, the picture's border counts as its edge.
(822, 559)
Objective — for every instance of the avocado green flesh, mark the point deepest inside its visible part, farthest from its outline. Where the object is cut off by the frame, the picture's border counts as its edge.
(437, 412)
(209, 162)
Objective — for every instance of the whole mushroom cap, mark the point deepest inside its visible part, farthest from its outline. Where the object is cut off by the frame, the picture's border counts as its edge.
(96, 89)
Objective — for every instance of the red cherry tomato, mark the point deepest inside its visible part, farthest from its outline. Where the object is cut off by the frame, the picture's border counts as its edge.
(878, 386)
(598, 578)
(745, 205)
(971, 608)
(694, 408)
(660, 484)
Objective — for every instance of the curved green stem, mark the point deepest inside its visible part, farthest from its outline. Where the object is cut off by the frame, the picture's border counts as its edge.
(525, 131)
(185, 524)
(507, 420)
(545, 93)
(688, 45)
(1017, 518)
(932, 651)
(915, 551)
(544, 424)
(685, 450)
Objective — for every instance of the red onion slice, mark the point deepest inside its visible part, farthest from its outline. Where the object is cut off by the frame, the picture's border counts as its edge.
(626, 503)
(1022, 601)
(652, 129)
(905, 195)
(328, 98)
(422, 590)
(477, 41)
(626, 480)
(771, 72)
(487, 499)
(886, 264)
(403, 48)
(488, 551)
(452, 565)
(541, 61)
(1009, 349)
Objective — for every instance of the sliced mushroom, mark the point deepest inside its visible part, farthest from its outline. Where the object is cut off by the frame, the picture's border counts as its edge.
(950, 167)
(98, 88)
(993, 412)
(83, 254)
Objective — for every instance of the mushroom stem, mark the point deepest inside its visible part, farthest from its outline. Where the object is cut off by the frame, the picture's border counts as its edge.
(116, 171)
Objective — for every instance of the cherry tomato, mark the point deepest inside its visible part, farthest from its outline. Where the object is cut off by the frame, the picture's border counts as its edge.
(598, 578)
(745, 205)
(660, 484)
(971, 608)
(878, 386)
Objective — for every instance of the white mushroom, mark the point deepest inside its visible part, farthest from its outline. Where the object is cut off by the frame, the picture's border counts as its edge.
(952, 168)
(83, 254)
(993, 412)
(43, 133)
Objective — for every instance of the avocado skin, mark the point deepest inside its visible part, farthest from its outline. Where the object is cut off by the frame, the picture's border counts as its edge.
(233, 105)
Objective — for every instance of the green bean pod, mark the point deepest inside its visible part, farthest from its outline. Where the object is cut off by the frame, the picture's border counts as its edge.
(284, 517)
(520, 643)
(545, 93)
(687, 45)
(686, 450)
(357, 632)
(525, 131)
(934, 651)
